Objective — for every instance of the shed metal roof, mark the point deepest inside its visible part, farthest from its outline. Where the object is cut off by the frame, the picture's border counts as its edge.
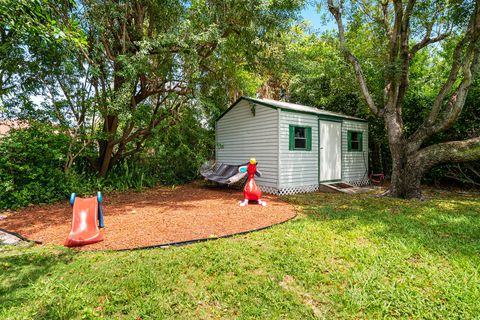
(292, 107)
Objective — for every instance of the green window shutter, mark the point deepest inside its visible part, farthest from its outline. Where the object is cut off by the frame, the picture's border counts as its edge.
(359, 146)
(309, 139)
(291, 145)
(360, 141)
(349, 140)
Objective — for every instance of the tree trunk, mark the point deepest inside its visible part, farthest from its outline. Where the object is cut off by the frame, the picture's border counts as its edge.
(107, 144)
(406, 180)
(105, 163)
(410, 167)
(407, 170)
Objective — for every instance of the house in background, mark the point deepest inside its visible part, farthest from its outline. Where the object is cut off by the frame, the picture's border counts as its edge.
(298, 148)
(7, 125)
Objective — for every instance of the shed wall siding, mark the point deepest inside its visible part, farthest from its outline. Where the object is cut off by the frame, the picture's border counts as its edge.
(354, 163)
(297, 168)
(241, 136)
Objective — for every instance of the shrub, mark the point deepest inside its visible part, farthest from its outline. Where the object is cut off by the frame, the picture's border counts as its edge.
(31, 166)
(32, 163)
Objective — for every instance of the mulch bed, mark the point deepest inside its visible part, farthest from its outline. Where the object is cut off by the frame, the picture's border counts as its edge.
(156, 216)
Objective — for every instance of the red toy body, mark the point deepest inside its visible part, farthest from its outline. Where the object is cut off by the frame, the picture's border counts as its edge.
(251, 191)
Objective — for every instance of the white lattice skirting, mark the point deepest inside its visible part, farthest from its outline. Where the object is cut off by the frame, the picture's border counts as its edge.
(289, 190)
(358, 183)
(306, 189)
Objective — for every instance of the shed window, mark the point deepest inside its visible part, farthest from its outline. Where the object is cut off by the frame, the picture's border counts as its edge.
(355, 141)
(300, 138)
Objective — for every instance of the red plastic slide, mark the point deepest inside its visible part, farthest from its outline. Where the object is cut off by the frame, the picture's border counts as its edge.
(85, 223)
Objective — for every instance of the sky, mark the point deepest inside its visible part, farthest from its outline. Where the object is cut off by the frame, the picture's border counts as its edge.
(318, 24)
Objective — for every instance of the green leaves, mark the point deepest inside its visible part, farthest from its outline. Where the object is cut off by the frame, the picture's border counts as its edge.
(42, 19)
(31, 166)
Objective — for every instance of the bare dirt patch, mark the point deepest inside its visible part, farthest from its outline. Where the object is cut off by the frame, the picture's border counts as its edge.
(155, 216)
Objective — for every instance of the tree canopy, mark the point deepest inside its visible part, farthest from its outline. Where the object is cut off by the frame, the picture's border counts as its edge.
(139, 63)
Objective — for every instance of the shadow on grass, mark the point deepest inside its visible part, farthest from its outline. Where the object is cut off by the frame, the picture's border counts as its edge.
(21, 268)
(448, 225)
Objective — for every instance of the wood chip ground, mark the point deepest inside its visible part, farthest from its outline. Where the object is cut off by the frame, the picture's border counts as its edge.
(155, 216)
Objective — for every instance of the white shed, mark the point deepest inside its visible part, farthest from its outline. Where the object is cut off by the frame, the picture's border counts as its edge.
(298, 148)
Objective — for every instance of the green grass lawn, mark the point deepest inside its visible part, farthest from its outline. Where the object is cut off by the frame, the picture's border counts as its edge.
(343, 257)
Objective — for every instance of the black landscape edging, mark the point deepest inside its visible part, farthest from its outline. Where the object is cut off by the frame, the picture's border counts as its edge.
(18, 235)
(168, 244)
(188, 242)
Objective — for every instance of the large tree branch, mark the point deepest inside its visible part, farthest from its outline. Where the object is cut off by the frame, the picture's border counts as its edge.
(427, 41)
(447, 86)
(405, 29)
(396, 31)
(336, 12)
(453, 151)
(403, 83)
(79, 116)
(386, 18)
(381, 18)
(106, 45)
(456, 102)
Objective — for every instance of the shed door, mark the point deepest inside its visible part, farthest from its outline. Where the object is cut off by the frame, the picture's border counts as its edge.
(330, 153)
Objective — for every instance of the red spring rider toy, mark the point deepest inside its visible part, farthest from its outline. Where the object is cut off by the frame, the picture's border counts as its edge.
(251, 192)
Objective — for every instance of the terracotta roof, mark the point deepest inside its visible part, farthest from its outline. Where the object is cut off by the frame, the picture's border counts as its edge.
(7, 125)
